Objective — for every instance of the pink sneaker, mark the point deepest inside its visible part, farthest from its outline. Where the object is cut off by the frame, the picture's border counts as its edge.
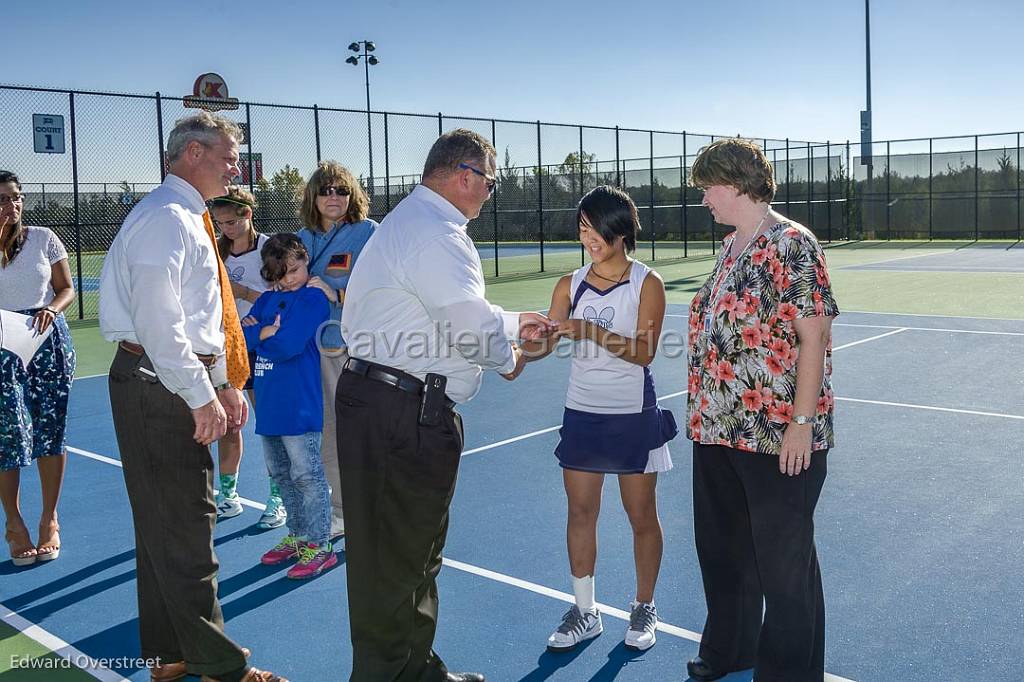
(283, 551)
(312, 562)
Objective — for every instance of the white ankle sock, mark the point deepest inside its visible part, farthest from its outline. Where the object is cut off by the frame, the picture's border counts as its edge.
(583, 588)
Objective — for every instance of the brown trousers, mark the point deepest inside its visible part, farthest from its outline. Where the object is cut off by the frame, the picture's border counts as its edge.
(169, 478)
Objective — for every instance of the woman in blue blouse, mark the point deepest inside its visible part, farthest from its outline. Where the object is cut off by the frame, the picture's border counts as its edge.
(336, 228)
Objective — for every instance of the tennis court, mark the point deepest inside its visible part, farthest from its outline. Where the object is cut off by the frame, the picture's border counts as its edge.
(919, 528)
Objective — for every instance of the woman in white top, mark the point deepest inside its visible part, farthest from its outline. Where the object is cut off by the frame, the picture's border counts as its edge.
(239, 245)
(613, 310)
(35, 281)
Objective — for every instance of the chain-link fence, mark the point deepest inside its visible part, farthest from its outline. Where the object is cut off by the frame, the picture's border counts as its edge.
(89, 157)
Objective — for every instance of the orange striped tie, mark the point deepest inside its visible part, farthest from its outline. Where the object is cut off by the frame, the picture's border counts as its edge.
(234, 341)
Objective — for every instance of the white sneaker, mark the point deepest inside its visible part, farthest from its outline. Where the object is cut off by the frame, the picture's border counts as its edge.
(643, 619)
(274, 516)
(337, 527)
(228, 507)
(576, 627)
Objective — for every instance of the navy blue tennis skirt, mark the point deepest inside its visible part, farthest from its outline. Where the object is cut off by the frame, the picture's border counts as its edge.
(613, 443)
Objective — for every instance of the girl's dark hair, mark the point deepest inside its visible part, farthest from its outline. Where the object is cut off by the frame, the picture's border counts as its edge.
(243, 203)
(612, 213)
(276, 252)
(11, 245)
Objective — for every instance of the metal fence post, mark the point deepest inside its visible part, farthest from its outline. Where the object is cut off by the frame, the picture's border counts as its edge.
(930, 175)
(618, 177)
(651, 136)
(686, 179)
(316, 132)
(888, 192)
(787, 178)
(440, 124)
(494, 200)
(583, 256)
(828, 186)
(810, 186)
(387, 164)
(1018, 188)
(976, 187)
(160, 134)
(540, 197)
(78, 222)
(248, 143)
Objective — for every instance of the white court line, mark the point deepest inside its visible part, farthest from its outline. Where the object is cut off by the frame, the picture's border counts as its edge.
(58, 646)
(543, 431)
(926, 329)
(892, 260)
(667, 628)
(933, 408)
(951, 317)
(870, 338)
(675, 630)
(915, 329)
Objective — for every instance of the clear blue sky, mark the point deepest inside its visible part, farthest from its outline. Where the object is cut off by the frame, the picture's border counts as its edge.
(793, 68)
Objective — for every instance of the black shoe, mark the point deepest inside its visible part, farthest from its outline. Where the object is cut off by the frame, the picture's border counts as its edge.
(465, 677)
(701, 670)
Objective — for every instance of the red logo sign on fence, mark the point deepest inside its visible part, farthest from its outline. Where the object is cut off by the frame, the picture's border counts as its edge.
(210, 92)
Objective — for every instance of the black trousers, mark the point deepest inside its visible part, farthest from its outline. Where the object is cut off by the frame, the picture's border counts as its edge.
(754, 530)
(170, 486)
(397, 482)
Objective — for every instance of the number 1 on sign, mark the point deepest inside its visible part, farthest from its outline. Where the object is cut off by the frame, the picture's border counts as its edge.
(49, 141)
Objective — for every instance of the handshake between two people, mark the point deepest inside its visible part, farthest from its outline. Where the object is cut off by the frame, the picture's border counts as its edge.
(538, 334)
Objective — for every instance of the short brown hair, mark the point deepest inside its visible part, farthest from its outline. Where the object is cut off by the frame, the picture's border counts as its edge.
(737, 163)
(333, 174)
(461, 145)
(276, 252)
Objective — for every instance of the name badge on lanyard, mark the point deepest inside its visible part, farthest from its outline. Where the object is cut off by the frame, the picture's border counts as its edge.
(709, 319)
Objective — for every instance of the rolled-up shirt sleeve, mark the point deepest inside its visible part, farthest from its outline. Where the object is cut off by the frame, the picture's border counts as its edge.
(448, 280)
(155, 276)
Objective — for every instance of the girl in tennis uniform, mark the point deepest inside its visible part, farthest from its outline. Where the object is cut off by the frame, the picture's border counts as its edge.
(612, 309)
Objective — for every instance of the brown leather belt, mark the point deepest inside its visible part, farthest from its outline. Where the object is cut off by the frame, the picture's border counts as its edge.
(136, 349)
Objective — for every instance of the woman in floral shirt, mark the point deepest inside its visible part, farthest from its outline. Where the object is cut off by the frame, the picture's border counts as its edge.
(760, 409)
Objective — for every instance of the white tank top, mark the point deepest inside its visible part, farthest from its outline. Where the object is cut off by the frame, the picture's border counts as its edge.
(245, 269)
(600, 382)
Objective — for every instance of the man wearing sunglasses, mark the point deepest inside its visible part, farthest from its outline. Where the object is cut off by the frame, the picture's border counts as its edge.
(420, 335)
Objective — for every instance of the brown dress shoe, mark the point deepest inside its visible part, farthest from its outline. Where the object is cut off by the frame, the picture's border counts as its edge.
(168, 672)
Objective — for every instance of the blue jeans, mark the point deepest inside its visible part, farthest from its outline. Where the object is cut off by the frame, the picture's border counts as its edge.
(294, 464)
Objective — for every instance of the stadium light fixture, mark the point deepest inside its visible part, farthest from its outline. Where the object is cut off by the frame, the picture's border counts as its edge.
(368, 61)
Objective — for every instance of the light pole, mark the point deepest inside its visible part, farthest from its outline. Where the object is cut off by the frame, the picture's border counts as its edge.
(367, 47)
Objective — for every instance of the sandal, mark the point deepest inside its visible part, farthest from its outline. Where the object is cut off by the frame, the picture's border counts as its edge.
(23, 552)
(48, 548)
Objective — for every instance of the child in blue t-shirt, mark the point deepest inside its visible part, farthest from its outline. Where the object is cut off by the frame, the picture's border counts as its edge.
(281, 329)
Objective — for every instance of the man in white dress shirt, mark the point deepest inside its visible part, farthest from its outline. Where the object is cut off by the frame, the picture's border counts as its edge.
(415, 311)
(160, 300)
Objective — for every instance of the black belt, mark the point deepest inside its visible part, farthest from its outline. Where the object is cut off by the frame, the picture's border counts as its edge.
(395, 378)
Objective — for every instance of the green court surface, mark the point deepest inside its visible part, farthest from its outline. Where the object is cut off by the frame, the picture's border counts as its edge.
(943, 292)
(22, 658)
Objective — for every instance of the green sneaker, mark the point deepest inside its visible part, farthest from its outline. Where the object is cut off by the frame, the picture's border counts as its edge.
(274, 516)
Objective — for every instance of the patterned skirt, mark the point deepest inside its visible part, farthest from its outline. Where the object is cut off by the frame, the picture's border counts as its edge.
(34, 399)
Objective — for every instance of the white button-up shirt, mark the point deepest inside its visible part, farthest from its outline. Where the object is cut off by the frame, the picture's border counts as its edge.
(159, 289)
(415, 300)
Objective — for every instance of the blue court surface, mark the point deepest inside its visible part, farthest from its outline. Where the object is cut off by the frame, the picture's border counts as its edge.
(919, 530)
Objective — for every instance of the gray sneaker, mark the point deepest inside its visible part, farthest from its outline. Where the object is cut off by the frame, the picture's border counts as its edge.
(576, 627)
(274, 516)
(643, 620)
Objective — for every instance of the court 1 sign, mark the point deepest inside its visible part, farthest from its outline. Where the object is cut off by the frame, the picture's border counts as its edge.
(48, 133)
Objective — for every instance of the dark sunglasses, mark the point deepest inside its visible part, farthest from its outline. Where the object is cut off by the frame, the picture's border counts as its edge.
(337, 191)
(491, 181)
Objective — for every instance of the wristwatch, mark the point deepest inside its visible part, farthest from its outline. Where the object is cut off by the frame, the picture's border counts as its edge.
(802, 419)
(223, 387)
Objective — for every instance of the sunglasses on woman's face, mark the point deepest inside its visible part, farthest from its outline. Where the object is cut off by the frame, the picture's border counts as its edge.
(337, 191)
